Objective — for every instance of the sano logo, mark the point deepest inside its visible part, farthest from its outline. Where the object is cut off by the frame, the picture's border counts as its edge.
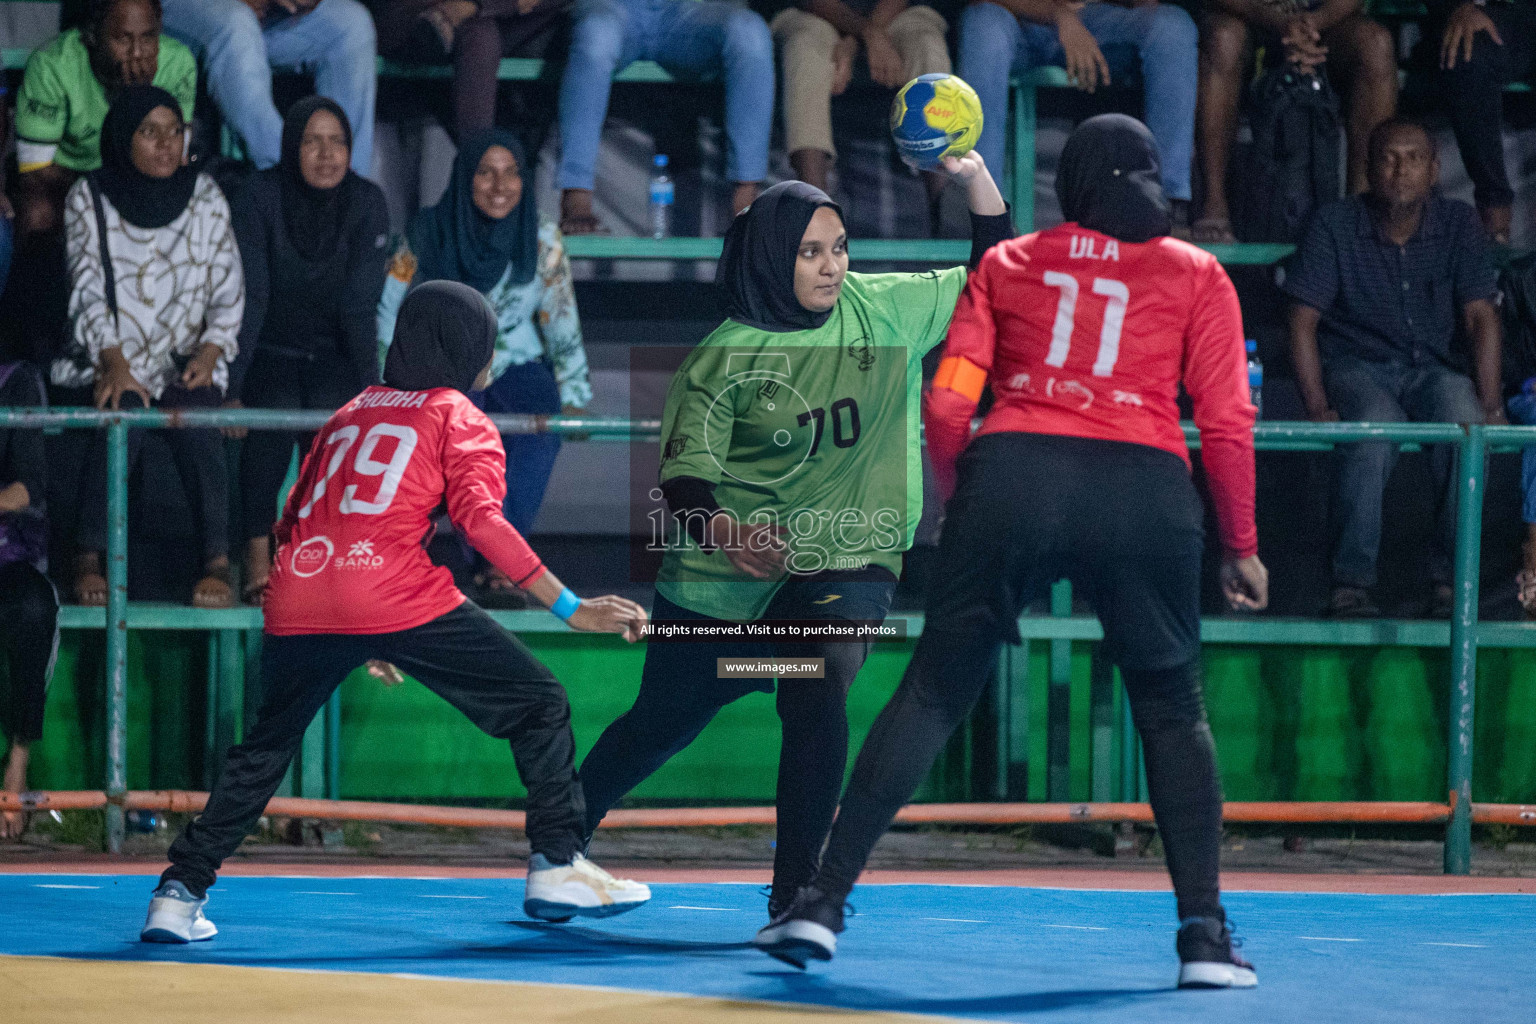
(360, 556)
(312, 556)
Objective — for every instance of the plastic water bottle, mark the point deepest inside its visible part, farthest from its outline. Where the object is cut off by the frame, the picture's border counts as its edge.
(1255, 377)
(661, 198)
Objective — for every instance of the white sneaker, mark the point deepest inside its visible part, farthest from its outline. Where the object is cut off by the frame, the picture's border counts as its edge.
(559, 892)
(174, 916)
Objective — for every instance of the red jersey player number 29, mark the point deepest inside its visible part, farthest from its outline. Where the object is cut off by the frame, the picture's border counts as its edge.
(365, 465)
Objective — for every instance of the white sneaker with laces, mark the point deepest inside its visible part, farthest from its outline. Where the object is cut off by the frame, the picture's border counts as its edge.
(559, 892)
(175, 916)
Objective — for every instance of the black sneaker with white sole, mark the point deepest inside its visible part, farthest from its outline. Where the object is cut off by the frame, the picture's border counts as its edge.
(1208, 956)
(806, 931)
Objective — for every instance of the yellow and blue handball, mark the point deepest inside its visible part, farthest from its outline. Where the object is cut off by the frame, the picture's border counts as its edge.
(933, 117)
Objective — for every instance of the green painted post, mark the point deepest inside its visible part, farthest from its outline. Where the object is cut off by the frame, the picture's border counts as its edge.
(333, 746)
(1130, 753)
(231, 688)
(117, 630)
(1469, 528)
(1101, 719)
(211, 716)
(1024, 156)
(1058, 704)
(1018, 721)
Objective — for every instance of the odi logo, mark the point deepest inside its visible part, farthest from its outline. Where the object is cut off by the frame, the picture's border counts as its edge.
(310, 557)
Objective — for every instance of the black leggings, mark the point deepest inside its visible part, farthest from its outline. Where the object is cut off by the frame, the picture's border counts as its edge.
(680, 693)
(199, 455)
(29, 636)
(1122, 522)
(463, 657)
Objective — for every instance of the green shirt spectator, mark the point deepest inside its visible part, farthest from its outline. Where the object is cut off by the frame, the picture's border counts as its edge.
(63, 101)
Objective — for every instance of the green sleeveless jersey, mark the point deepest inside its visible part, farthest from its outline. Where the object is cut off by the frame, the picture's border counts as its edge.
(815, 432)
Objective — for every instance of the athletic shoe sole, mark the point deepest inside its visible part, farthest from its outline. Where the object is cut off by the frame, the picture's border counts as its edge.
(1197, 974)
(559, 913)
(169, 926)
(797, 943)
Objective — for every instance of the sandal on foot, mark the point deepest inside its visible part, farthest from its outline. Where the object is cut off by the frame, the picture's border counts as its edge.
(90, 583)
(1525, 591)
(1212, 231)
(214, 597)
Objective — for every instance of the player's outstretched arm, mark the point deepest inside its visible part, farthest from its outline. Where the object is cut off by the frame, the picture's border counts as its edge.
(607, 614)
(981, 191)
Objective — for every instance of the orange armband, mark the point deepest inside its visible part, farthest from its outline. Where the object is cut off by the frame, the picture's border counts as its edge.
(960, 375)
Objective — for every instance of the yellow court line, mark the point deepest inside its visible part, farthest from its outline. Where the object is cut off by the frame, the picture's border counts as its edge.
(51, 990)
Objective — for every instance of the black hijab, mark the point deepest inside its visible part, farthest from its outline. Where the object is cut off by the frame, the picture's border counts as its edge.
(454, 241)
(1109, 179)
(140, 200)
(757, 265)
(313, 216)
(444, 335)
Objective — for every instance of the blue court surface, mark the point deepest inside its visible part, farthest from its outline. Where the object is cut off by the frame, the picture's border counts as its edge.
(971, 952)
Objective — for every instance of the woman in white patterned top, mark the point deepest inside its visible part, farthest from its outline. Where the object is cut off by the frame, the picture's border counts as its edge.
(156, 307)
(486, 232)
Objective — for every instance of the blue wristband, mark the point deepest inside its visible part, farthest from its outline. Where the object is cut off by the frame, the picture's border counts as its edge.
(565, 605)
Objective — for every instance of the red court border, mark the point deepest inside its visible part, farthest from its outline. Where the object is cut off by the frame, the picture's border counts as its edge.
(1150, 879)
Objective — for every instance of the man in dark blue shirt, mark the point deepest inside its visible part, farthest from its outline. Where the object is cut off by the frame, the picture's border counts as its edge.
(1381, 284)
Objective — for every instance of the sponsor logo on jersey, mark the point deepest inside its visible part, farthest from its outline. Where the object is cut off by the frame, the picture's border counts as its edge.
(1020, 382)
(1069, 391)
(360, 556)
(829, 599)
(863, 351)
(311, 557)
(390, 400)
(1126, 398)
(675, 448)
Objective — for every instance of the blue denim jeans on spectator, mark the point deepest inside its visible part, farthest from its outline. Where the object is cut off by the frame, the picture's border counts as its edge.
(530, 389)
(1522, 411)
(335, 41)
(690, 38)
(1392, 393)
(995, 43)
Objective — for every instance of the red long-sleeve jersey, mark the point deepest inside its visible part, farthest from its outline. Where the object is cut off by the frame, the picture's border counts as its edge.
(1086, 336)
(351, 554)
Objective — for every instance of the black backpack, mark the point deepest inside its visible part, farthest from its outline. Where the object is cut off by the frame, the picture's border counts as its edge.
(1517, 309)
(1293, 166)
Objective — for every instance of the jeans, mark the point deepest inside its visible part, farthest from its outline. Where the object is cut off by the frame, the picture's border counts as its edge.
(7, 243)
(703, 39)
(1522, 411)
(1475, 100)
(237, 52)
(464, 658)
(994, 43)
(529, 389)
(1392, 393)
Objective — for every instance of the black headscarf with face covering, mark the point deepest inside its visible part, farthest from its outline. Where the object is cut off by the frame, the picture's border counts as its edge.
(444, 337)
(313, 217)
(757, 266)
(140, 200)
(454, 241)
(1109, 179)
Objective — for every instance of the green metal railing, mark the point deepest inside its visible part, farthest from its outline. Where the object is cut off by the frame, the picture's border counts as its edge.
(1462, 635)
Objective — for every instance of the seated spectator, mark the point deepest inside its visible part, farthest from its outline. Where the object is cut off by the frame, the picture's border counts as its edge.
(1308, 34)
(313, 239)
(29, 609)
(486, 233)
(240, 41)
(818, 41)
(1380, 284)
(1522, 410)
(1016, 36)
(474, 36)
(1486, 47)
(691, 39)
(59, 111)
(156, 304)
